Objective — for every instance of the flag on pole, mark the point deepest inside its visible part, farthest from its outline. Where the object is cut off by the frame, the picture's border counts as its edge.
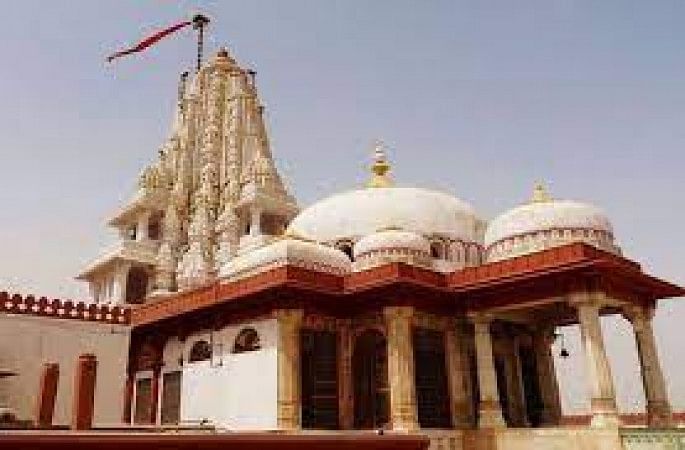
(148, 41)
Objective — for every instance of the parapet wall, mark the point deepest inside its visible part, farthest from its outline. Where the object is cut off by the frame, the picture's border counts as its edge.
(64, 309)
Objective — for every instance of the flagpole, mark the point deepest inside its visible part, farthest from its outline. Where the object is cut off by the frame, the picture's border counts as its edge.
(199, 23)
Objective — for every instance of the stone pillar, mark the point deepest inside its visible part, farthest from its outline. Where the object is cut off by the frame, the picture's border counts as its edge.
(142, 226)
(84, 392)
(403, 412)
(345, 384)
(514, 378)
(47, 394)
(255, 221)
(458, 375)
(289, 399)
(489, 410)
(658, 407)
(119, 284)
(155, 393)
(603, 398)
(547, 377)
(128, 399)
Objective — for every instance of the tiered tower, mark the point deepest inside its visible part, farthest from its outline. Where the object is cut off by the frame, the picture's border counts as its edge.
(213, 192)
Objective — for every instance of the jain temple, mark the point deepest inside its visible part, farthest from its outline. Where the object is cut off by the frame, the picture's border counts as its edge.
(225, 305)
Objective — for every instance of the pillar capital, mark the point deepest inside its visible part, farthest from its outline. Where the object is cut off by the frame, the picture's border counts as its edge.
(639, 316)
(483, 318)
(398, 312)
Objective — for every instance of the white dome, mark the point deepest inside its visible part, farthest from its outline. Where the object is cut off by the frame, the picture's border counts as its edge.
(544, 223)
(392, 240)
(288, 251)
(355, 214)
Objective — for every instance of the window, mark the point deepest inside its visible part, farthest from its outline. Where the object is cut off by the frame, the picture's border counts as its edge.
(346, 248)
(437, 250)
(246, 341)
(200, 351)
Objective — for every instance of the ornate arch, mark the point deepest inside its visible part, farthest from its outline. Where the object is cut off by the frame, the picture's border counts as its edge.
(247, 340)
(200, 351)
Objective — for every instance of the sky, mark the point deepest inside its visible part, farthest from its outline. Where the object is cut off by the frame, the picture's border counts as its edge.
(477, 98)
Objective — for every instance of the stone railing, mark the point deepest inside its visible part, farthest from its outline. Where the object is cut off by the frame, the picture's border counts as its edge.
(645, 439)
(63, 309)
(445, 439)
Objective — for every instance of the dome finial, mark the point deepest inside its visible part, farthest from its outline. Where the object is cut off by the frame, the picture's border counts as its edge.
(380, 167)
(540, 194)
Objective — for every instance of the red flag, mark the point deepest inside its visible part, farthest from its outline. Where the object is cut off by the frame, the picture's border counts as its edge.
(148, 41)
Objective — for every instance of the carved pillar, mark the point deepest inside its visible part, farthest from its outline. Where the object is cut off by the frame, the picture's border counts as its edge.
(658, 407)
(603, 398)
(489, 410)
(514, 379)
(289, 399)
(128, 399)
(154, 403)
(345, 384)
(84, 392)
(547, 377)
(255, 221)
(403, 413)
(47, 395)
(458, 375)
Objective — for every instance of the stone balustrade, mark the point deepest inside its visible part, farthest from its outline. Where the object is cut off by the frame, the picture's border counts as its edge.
(63, 309)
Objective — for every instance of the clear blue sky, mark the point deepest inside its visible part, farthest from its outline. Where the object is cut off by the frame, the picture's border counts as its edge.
(478, 98)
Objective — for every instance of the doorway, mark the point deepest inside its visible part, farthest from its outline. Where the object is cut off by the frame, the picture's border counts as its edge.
(370, 369)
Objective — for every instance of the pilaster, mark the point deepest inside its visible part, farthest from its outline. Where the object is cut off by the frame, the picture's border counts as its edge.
(289, 401)
(403, 411)
(458, 375)
(345, 382)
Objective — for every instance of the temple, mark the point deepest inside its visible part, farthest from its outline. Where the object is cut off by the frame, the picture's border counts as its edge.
(382, 307)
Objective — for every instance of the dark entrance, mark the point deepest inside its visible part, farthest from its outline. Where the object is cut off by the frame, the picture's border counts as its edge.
(136, 285)
(171, 397)
(370, 369)
(531, 386)
(319, 380)
(432, 397)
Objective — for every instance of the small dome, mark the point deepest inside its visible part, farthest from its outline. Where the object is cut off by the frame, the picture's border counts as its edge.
(545, 222)
(393, 239)
(354, 214)
(292, 251)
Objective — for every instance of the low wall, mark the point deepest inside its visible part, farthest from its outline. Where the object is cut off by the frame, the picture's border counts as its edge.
(196, 441)
(637, 439)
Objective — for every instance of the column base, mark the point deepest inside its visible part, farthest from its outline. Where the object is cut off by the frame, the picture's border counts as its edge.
(490, 416)
(604, 413)
(659, 415)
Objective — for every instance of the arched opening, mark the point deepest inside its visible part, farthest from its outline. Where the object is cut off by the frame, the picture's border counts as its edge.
(247, 340)
(200, 351)
(437, 250)
(347, 248)
(432, 396)
(136, 285)
(370, 369)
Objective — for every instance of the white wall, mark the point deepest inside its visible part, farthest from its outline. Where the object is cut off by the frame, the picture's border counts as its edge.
(26, 342)
(234, 391)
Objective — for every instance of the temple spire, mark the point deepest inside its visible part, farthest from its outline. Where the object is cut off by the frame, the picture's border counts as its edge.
(380, 167)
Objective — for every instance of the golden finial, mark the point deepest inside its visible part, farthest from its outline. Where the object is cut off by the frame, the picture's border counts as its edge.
(380, 167)
(540, 194)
